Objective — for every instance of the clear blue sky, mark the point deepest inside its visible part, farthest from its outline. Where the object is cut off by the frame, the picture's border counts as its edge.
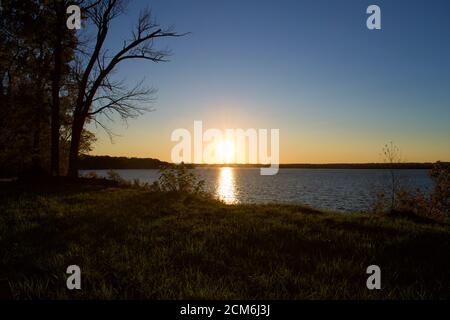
(336, 90)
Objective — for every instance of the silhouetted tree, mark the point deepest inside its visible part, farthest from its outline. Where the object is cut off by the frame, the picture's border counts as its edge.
(36, 52)
(24, 68)
(53, 83)
(60, 31)
(392, 157)
(98, 93)
(64, 42)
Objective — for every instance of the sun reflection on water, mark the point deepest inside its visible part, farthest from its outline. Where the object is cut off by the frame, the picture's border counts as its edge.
(226, 188)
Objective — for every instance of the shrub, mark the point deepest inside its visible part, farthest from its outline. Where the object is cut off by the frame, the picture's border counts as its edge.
(91, 175)
(180, 178)
(380, 203)
(439, 202)
(411, 201)
(435, 205)
(114, 176)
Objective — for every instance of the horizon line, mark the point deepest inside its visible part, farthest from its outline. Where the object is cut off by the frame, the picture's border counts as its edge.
(281, 164)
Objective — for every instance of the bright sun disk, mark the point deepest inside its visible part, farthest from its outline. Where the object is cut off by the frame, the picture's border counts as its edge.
(225, 151)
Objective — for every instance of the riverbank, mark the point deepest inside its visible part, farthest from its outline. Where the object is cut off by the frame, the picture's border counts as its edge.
(133, 243)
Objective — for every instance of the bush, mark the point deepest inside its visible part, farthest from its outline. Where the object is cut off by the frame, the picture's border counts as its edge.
(411, 201)
(114, 176)
(180, 178)
(380, 203)
(91, 175)
(136, 183)
(435, 205)
(439, 202)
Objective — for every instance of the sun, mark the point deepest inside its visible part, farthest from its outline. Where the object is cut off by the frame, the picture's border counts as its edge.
(225, 151)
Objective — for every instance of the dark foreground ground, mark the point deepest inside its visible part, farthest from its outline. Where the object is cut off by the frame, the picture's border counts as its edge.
(135, 244)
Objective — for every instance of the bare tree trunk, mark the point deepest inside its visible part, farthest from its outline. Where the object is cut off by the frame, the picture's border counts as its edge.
(77, 128)
(56, 122)
(36, 165)
(56, 86)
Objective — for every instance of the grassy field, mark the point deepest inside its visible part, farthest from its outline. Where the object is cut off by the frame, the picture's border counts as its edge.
(131, 243)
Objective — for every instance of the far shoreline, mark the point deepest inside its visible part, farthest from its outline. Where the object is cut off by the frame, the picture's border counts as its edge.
(88, 162)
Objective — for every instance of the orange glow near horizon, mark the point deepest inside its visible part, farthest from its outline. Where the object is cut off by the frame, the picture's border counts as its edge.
(297, 144)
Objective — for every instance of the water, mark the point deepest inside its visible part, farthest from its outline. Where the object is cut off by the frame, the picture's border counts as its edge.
(347, 190)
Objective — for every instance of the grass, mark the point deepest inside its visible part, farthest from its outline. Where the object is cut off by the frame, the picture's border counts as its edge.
(135, 244)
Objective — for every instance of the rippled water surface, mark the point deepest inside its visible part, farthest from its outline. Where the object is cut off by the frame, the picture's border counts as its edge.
(335, 189)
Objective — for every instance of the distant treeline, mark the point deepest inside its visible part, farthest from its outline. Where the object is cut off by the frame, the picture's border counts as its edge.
(107, 162)
(406, 165)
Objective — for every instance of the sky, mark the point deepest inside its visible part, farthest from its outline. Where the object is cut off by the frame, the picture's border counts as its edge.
(336, 90)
